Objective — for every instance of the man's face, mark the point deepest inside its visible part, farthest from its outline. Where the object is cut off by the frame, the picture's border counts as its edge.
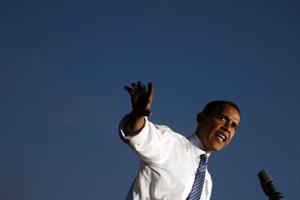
(217, 130)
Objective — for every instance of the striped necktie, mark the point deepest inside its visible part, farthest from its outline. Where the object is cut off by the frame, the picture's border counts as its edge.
(199, 179)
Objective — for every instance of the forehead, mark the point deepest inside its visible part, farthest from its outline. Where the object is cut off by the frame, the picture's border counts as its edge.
(230, 112)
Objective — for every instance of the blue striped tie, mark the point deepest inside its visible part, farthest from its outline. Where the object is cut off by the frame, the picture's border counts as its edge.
(199, 179)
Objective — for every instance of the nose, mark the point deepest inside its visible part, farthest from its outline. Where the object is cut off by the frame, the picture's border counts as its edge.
(226, 127)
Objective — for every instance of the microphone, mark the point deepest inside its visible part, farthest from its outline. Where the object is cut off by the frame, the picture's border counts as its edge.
(267, 185)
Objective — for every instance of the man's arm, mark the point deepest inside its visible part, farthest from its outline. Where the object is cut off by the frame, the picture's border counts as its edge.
(141, 101)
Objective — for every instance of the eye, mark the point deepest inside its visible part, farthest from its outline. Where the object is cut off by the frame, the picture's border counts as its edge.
(222, 117)
(234, 126)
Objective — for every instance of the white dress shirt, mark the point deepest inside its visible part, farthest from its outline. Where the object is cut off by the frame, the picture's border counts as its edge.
(168, 164)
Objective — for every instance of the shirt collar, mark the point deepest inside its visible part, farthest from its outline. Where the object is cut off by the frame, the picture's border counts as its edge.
(197, 143)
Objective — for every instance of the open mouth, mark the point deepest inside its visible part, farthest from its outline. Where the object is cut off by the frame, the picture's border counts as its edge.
(221, 136)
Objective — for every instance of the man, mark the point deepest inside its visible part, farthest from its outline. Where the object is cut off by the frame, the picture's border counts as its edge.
(173, 167)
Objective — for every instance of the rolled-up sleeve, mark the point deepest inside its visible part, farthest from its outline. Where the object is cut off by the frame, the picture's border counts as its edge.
(150, 141)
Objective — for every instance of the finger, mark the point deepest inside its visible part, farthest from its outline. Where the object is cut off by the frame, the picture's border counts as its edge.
(141, 87)
(150, 91)
(133, 85)
(130, 90)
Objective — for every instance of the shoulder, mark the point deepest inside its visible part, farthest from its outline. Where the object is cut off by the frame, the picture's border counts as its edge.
(173, 138)
(165, 129)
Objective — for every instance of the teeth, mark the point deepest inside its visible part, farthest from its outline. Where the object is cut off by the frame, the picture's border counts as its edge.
(221, 137)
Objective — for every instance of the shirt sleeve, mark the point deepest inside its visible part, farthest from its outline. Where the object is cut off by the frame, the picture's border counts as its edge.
(151, 143)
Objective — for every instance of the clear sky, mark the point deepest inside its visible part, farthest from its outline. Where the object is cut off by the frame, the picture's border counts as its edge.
(63, 66)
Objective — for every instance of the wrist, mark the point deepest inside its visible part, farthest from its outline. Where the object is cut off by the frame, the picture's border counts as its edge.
(134, 123)
(140, 113)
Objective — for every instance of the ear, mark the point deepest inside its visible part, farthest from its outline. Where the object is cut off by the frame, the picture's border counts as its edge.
(200, 117)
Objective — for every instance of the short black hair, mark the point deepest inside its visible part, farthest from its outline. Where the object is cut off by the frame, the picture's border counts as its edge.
(218, 104)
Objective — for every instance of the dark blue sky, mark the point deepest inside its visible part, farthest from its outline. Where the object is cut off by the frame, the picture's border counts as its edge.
(63, 65)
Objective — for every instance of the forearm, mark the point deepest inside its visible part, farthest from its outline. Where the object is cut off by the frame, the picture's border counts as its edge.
(133, 124)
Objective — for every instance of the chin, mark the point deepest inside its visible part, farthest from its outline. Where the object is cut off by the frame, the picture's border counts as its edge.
(217, 147)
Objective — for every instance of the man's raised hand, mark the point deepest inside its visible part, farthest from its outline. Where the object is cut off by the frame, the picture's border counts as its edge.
(141, 98)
